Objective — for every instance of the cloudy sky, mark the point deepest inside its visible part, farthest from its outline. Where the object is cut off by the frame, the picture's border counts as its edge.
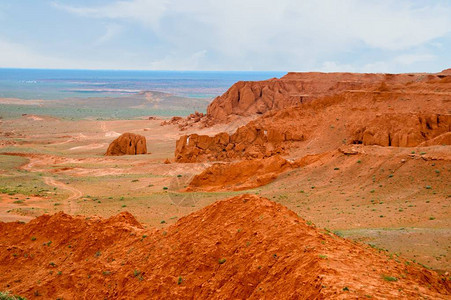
(285, 35)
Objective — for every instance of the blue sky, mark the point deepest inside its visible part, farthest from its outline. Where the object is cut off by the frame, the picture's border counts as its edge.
(285, 35)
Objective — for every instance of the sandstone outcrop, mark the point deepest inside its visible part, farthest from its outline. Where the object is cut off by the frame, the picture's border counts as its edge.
(127, 144)
(183, 123)
(402, 130)
(247, 142)
(246, 174)
(245, 247)
(391, 113)
(253, 98)
(241, 175)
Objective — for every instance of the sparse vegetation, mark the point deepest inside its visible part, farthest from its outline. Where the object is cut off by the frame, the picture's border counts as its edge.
(389, 278)
(5, 295)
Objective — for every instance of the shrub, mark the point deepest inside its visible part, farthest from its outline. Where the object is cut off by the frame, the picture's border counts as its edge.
(7, 296)
(389, 278)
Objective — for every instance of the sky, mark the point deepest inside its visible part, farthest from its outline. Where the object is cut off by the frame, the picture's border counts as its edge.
(251, 35)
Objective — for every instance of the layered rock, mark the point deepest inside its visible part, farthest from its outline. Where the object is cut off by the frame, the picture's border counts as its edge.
(246, 174)
(250, 141)
(240, 175)
(127, 144)
(183, 123)
(387, 114)
(251, 98)
(403, 130)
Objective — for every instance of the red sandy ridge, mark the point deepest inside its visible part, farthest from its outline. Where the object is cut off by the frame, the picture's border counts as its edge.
(243, 247)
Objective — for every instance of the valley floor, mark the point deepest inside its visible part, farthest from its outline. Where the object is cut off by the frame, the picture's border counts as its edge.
(392, 198)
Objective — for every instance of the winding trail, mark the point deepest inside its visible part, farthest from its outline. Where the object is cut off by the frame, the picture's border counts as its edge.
(76, 193)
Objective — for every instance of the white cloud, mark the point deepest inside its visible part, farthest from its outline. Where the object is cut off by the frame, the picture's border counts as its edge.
(408, 59)
(112, 30)
(147, 12)
(176, 62)
(263, 34)
(13, 55)
(331, 66)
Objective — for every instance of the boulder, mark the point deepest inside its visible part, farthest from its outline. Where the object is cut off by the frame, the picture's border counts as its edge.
(127, 144)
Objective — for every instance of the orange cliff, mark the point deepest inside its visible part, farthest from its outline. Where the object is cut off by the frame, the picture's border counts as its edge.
(242, 247)
(404, 110)
(253, 98)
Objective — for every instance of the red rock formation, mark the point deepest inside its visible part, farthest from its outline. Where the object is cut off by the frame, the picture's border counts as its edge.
(127, 144)
(446, 72)
(443, 139)
(183, 123)
(245, 247)
(247, 142)
(172, 121)
(388, 114)
(245, 174)
(240, 175)
(403, 130)
(252, 98)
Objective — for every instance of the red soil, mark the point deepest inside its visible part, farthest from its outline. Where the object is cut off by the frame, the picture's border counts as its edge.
(243, 247)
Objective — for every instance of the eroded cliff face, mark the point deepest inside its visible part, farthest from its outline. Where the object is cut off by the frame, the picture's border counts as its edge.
(391, 113)
(403, 130)
(253, 98)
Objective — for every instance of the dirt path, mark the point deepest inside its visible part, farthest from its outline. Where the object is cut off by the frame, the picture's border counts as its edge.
(76, 193)
(103, 126)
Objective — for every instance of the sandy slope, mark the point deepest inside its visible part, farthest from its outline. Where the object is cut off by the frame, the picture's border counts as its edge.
(243, 247)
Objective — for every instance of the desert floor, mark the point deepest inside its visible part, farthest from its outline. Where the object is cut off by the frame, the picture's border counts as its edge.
(393, 198)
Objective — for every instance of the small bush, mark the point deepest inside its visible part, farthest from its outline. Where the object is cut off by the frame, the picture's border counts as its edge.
(7, 296)
(221, 261)
(389, 278)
